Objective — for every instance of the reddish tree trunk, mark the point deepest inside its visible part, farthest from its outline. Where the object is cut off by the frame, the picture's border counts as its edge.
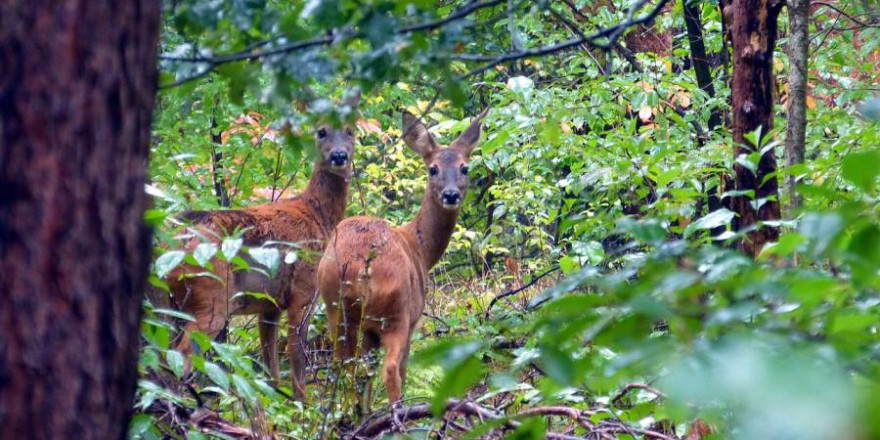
(77, 85)
(753, 33)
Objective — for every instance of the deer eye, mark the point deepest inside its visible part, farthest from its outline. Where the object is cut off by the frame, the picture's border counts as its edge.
(464, 170)
(433, 170)
(349, 132)
(322, 133)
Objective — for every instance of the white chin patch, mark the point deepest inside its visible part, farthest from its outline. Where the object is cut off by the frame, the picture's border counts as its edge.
(338, 167)
(451, 206)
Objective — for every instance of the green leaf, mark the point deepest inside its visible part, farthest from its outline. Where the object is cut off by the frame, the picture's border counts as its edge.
(230, 247)
(175, 361)
(204, 252)
(862, 169)
(217, 375)
(714, 219)
(456, 382)
(168, 261)
(268, 257)
(821, 229)
(193, 434)
(244, 388)
(534, 428)
(568, 265)
(174, 314)
(139, 425)
(558, 365)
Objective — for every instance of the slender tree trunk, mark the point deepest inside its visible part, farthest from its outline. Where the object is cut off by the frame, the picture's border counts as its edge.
(753, 33)
(799, 46)
(77, 85)
(699, 59)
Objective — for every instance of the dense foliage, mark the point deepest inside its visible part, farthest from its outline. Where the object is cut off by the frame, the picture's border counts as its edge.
(589, 269)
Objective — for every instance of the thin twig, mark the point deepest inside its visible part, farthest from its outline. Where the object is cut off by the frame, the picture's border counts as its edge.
(512, 292)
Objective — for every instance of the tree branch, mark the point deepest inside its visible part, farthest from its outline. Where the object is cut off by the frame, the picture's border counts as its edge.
(512, 292)
(610, 34)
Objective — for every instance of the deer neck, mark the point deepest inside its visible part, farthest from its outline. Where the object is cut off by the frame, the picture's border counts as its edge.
(431, 230)
(327, 194)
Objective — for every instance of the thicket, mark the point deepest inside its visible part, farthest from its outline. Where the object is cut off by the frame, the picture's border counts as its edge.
(594, 287)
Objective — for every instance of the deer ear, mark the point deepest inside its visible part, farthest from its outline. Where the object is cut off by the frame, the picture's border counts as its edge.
(469, 140)
(353, 99)
(416, 135)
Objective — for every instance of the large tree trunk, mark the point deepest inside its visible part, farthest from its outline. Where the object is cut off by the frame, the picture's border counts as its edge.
(798, 48)
(77, 85)
(753, 33)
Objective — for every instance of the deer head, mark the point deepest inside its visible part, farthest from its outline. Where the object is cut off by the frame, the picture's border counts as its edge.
(336, 145)
(447, 166)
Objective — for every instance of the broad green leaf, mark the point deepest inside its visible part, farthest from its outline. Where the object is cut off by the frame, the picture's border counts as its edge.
(862, 169)
(244, 388)
(168, 261)
(175, 362)
(204, 252)
(268, 257)
(174, 314)
(714, 219)
(217, 375)
(230, 248)
(140, 423)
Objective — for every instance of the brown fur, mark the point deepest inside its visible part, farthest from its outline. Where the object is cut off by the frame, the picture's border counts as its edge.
(373, 276)
(305, 220)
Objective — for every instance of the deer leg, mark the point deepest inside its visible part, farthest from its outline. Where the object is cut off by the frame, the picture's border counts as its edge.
(297, 336)
(269, 341)
(395, 343)
(403, 361)
(365, 399)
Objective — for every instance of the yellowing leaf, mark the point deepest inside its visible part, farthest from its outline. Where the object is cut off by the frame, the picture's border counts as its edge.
(811, 103)
(645, 113)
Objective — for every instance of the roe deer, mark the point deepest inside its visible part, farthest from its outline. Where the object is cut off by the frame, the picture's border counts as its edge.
(375, 274)
(306, 220)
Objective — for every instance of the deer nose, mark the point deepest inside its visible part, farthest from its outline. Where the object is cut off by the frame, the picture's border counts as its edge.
(338, 158)
(451, 197)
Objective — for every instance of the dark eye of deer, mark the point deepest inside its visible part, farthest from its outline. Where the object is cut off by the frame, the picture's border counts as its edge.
(349, 132)
(322, 133)
(464, 170)
(433, 171)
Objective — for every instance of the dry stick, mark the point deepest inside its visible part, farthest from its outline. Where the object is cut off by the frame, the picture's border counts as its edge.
(512, 292)
(626, 53)
(374, 427)
(635, 386)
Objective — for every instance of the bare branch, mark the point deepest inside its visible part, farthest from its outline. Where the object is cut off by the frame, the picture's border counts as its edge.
(610, 35)
(512, 292)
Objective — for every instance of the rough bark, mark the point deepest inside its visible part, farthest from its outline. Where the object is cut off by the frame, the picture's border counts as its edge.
(77, 85)
(798, 46)
(753, 34)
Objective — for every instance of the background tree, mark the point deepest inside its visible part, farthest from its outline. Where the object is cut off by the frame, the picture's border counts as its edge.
(76, 99)
(798, 54)
(753, 27)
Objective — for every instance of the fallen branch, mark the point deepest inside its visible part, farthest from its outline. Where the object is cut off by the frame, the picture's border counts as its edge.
(395, 421)
(635, 386)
